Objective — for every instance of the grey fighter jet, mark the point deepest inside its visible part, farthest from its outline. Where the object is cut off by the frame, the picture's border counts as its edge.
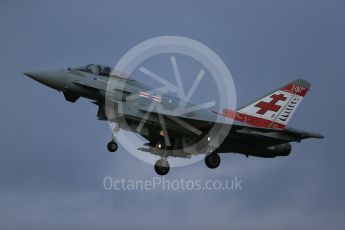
(174, 128)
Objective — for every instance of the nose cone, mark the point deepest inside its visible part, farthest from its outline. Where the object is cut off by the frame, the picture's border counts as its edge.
(55, 79)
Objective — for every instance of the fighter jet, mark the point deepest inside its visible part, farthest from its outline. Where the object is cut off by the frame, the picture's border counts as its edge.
(258, 129)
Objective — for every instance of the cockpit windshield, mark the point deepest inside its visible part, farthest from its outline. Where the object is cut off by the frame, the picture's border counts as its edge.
(96, 69)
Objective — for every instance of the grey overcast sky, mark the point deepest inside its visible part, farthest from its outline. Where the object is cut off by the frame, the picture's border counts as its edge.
(53, 157)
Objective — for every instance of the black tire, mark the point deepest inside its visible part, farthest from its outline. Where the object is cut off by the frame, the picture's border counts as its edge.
(112, 146)
(212, 161)
(162, 167)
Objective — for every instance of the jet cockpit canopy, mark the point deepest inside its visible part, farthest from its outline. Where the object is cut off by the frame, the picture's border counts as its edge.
(96, 69)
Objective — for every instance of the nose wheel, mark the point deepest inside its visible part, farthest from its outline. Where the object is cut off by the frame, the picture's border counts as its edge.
(112, 146)
(162, 167)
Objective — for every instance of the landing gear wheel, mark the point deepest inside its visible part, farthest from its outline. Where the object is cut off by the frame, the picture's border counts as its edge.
(212, 161)
(112, 146)
(162, 167)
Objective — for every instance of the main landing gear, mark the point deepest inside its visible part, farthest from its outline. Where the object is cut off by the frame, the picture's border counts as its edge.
(212, 161)
(162, 167)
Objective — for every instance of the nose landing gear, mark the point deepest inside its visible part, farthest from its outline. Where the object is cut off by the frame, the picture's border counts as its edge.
(112, 145)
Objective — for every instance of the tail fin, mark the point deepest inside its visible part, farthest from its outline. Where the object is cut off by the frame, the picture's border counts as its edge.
(274, 110)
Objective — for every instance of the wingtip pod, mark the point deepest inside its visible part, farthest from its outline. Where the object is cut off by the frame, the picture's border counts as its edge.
(303, 134)
(318, 135)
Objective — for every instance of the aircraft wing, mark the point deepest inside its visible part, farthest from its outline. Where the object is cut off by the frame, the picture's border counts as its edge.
(261, 123)
(243, 132)
(267, 137)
